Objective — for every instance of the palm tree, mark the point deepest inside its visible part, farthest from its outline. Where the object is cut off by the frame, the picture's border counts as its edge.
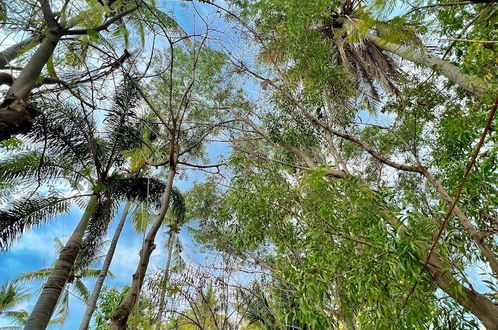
(11, 295)
(16, 116)
(365, 52)
(74, 284)
(93, 297)
(66, 146)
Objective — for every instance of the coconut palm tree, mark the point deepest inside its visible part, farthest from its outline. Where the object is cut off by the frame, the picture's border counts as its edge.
(67, 147)
(74, 285)
(11, 295)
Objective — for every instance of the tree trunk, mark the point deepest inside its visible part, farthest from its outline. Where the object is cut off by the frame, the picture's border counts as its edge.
(474, 302)
(471, 300)
(42, 312)
(15, 114)
(120, 317)
(92, 300)
(165, 280)
(472, 84)
(474, 234)
(13, 51)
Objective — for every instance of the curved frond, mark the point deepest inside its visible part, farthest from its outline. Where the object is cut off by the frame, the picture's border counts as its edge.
(97, 228)
(11, 294)
(177, 208)
(141, 218)
(81, 289)
(67, 130)
(28, 167)
(136, 189)
(90, 273)
(25, 214)
(37, 276)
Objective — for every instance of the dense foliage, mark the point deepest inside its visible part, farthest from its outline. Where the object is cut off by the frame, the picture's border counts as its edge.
(335, 160)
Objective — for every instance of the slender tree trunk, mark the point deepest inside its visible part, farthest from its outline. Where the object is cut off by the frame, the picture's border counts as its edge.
(479, 305)
(165, 279)
(474, 302)
(13, 51)
(42, 312)
(467, 225)
(15, 114)
(120, 317)
(473, 84)
(92, 300)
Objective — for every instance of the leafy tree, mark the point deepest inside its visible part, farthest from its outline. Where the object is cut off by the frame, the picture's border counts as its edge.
(76, 152)
(141, 318)
(51, 23)
(188, 100)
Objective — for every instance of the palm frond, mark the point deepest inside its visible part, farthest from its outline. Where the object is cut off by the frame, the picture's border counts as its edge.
(141, 217)
(25, 214)
(81, 289)
(256, 307)
(27, 167)
(63, 305)
(67, 130)
(56, 323)
(122, 128)
(136, 189)
(90, 273)
(37, 276)
(177, 208)
(12, 294)
(97, 228)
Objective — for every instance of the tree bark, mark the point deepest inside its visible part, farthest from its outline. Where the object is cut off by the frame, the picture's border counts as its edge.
(472, 84)
(474, 234)
(165, 280)
(92, 300)
(471, 300)
(12, 52)
(474, 302)
(120, 317)
(15, 114)
(42, 312)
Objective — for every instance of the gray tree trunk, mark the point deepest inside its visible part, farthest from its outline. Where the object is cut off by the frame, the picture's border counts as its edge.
(13, 51)
(92, 300)
(120, 317)
(44, 308)
(15, 114)
(472, 84)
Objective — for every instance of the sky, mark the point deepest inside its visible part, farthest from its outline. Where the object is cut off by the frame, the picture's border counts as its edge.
(36, 249)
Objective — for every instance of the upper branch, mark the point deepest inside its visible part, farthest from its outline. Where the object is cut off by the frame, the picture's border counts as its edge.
(48, 15)
(106, 24)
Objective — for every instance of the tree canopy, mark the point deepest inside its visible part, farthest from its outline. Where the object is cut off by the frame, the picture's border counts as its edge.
(321, 164)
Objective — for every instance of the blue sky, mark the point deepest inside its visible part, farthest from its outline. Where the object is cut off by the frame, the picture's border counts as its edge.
(36, 249)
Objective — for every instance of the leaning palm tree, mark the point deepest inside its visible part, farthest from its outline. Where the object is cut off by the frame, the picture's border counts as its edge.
(366, 47)
(67, 147)
(74, 285)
